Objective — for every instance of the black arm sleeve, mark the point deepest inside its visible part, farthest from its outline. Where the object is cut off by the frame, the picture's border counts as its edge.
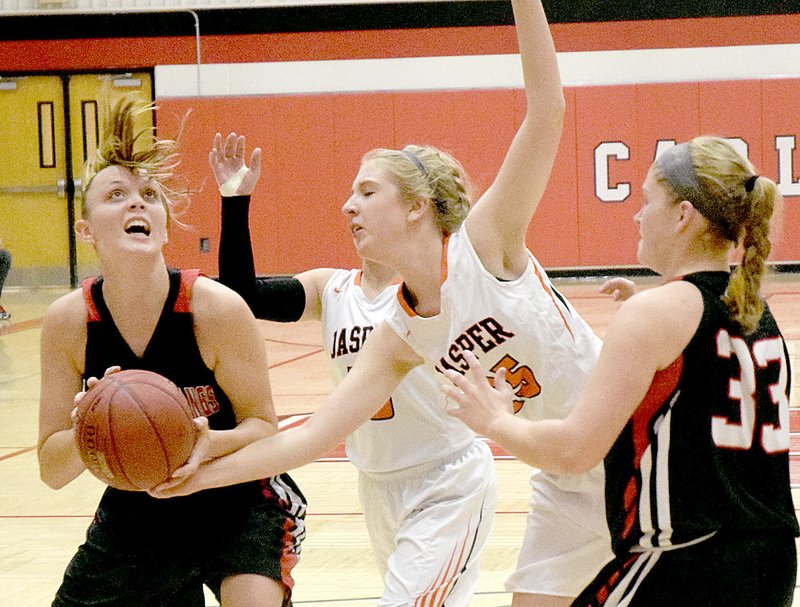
(278, 298)
(281, 299)
(236, 267)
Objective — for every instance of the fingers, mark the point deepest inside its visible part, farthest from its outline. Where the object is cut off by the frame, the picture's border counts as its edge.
(501, 385)
(255, 162)
(181, 473)
(474, 382)
(229, 149)
(168, 488)
(238, 150)
(612, 285)
(618, 288)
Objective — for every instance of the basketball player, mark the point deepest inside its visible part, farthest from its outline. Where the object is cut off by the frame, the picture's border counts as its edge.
(689, 402)
(469, 284)
(426, 482)
(242, 541)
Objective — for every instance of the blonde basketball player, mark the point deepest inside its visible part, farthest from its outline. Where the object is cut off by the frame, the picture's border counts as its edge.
(426, 482)
(241, 541)
(694, 427)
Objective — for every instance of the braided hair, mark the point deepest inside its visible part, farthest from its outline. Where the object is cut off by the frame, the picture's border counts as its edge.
(425, 171)
(738, 204)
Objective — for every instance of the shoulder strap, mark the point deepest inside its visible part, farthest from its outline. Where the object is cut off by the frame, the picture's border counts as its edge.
(183, 303)
(92, 313)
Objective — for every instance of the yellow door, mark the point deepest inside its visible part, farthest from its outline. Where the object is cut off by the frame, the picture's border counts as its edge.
(34, 217)
(45, 148)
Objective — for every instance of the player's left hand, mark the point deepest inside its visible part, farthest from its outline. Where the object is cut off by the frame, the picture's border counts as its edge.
(174, 487)
(182, 481)
(227, 161)
(90, 383)
(479, 403)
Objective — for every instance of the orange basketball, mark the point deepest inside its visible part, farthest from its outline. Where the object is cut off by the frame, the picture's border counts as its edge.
(134, 429)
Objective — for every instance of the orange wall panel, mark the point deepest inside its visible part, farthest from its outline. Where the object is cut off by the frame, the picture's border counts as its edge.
(606, 126)
(733, 109)
(313, 144)
(553, 234)
(781, 119)
(664, 112)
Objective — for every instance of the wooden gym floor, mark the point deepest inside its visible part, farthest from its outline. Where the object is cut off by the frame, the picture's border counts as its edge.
(40, 528)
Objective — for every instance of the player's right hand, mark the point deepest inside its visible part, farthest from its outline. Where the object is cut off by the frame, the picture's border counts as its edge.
(619, 288)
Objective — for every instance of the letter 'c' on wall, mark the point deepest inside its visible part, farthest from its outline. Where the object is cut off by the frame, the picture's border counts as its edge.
(603, 188)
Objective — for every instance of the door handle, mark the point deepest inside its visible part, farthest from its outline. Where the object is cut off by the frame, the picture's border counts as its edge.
(60, 189)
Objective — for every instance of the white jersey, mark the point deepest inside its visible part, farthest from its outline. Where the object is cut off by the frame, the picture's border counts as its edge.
(524, 325)
(410, 429)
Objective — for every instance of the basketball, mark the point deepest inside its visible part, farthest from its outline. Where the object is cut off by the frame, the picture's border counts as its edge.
(134, 429)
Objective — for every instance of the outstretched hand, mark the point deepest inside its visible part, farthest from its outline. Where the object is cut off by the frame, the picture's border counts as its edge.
(481, 401)
(184, 480)
(227, 161)
(619, 288)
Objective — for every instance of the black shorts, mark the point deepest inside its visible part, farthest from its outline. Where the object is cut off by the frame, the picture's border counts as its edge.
(723, 571)
(147, 558)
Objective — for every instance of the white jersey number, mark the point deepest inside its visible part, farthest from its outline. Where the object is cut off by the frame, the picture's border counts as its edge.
(741, 434)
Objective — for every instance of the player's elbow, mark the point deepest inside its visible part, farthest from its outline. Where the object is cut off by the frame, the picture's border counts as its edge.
(52, 472)
(575, 456)
(575, 463)
(51, 478)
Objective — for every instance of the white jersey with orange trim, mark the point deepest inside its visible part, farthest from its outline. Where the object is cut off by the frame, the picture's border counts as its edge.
(524, 325)
(410, 429)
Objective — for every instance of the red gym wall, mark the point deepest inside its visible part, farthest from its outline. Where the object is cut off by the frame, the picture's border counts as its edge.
(313, 143)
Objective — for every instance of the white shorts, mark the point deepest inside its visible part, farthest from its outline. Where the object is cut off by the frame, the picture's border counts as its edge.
(428, 525)
(567, 540)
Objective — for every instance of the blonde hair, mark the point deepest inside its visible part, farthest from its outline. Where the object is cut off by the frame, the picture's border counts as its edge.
(141, 152)
(425, 171)
(738, 203)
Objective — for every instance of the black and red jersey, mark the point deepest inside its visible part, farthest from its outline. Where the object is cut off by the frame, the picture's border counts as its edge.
(708, 447)
(171, 352)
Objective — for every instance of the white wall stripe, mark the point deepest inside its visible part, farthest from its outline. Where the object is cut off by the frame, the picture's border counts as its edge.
(595, 68)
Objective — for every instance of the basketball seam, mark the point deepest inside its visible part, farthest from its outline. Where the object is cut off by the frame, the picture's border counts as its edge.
(111, 435)
(164, 451)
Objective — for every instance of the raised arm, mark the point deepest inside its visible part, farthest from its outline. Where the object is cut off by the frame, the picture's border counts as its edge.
(281, 299)
(236, 182)
(498, 223)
